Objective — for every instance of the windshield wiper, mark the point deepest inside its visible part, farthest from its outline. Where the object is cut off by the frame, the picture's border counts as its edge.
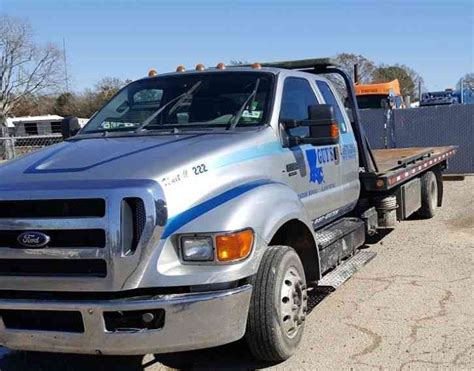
(177, 102)
(249, 99)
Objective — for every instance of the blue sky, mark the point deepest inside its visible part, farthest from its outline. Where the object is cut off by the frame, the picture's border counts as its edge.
(126, 38)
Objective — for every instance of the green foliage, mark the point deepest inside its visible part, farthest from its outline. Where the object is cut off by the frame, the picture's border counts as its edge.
(389, 73)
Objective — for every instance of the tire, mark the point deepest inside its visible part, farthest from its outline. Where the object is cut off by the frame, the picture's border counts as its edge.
(429, 195)
(279, 304)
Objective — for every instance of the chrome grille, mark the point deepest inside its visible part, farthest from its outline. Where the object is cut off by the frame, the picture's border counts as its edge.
(84, 220)
(62, 238)
(52, 208)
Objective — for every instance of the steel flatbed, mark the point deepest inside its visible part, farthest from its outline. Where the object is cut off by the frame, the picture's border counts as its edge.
(396, 166)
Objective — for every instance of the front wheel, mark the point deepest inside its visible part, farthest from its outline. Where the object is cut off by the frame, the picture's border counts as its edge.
(278, 306)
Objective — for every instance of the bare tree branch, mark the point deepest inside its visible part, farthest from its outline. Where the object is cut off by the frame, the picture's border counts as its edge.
(25, 67)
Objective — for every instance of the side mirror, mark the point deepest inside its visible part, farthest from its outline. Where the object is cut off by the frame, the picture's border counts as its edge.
(70, 127)
(322, 124)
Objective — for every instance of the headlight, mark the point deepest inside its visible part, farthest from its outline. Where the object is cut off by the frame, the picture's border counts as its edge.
(219, 247)
(197, 248)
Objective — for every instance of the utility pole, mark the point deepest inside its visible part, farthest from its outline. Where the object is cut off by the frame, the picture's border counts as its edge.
(419, 91)
(65, 66)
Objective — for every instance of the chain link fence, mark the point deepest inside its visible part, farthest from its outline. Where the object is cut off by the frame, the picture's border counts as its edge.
(11, 147)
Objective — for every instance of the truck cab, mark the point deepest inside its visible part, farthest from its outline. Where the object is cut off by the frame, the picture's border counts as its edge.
(193, 209)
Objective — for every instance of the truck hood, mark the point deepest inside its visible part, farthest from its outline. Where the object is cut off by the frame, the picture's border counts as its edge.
(135, 157)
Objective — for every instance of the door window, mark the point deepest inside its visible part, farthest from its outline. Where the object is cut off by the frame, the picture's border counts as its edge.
(330, 98)
(297, 97)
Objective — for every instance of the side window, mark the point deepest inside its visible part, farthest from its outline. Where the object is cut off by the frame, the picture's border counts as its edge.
(297, 96)
(329, 98)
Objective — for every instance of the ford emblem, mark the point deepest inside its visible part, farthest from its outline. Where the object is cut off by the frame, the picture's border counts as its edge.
(33, 240)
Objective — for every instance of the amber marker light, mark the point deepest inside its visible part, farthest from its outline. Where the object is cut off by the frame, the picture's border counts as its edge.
(234, 246)
(334, 130)
(257, 66)
(152, 73)
(220, 66)
(180, 68)
(200, 67)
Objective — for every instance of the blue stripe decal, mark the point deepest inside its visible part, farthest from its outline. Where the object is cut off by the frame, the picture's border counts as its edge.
(189, 215)
(262, 150)
(33, 169)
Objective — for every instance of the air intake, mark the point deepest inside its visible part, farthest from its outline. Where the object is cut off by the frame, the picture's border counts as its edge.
(133, 223)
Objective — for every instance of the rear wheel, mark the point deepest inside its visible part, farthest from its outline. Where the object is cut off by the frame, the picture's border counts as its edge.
(278, 306)
(429, 195)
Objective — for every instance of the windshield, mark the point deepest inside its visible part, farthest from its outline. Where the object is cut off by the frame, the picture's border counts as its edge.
(219, 99)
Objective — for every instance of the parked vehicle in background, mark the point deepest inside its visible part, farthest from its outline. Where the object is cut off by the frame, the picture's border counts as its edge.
(438, 98)
(195, 208)
(379, 95)
(37, 125)
(465, 96)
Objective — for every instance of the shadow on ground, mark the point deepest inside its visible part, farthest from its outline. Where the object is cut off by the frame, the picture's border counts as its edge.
(234, 356)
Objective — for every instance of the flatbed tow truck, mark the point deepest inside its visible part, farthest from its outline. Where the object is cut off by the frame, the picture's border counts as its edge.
(195, 209)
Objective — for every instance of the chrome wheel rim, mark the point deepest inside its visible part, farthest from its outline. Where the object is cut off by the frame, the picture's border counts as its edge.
(293, 302)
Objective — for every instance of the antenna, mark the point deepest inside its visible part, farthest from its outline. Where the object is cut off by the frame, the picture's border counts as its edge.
(65, 65)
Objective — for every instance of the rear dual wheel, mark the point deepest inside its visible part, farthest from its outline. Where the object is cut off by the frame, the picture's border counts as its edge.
(429, 195)
(278, 306)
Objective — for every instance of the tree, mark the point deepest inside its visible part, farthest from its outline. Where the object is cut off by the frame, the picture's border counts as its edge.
(92, 100)
(65, 105)
(25, 67)
(402, 73)
(467, 81)
(366, 67)
(33, 105)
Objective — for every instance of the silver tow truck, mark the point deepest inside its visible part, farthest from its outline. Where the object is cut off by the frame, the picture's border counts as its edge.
(194, 209)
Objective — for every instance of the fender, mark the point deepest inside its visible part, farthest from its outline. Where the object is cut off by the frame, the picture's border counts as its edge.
(262, 205)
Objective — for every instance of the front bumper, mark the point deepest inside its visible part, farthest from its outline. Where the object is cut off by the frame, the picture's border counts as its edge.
(192, 321)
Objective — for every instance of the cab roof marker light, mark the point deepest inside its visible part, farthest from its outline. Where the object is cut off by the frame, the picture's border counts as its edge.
(152, 73)
(180, 68)
(200, 67)
(256, 66)
(221, 66)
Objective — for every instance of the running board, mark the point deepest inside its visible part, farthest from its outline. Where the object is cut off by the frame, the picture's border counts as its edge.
(343, 272)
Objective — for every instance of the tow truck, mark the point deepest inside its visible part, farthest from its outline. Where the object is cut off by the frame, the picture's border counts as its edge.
(195, 209)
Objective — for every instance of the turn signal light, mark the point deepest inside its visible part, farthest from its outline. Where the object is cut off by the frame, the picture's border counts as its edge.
(334, 130)
(234, 246)
(221, 66)
(152, 73)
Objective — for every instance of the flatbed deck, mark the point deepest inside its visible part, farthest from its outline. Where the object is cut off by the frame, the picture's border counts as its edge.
(398, 165)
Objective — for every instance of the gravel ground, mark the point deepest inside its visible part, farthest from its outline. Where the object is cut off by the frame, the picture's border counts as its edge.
(412, 307)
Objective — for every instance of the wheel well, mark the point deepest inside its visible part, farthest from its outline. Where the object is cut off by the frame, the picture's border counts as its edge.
(297, 235)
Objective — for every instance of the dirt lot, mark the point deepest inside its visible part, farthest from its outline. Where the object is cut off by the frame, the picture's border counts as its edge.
(412, 307)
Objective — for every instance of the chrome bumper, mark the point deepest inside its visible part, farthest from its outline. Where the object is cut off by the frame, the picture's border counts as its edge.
(192, 321)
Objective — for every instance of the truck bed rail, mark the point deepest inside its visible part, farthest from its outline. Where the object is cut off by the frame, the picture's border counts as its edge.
(398, 165)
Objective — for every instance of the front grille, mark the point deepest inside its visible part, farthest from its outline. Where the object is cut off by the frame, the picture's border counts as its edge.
(42, 320)
(53, 267)
(77, 208)
(72, 238)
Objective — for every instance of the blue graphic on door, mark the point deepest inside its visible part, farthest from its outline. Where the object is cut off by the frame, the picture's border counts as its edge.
(316, 172)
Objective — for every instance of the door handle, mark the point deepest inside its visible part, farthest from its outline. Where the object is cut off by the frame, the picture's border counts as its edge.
(337, 155)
